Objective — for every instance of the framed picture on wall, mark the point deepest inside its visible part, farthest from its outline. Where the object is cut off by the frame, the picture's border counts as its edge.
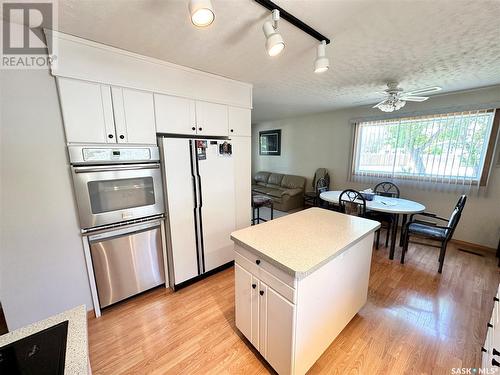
(270, 142)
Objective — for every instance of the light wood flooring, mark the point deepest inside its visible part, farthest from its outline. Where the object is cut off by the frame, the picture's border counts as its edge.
(415, 322)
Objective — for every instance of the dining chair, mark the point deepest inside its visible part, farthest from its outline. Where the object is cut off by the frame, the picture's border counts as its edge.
(321, 185)
(351, 202)
(385, 189)
(432, 231)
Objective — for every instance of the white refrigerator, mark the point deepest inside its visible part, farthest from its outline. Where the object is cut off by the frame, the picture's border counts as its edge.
(198, 179)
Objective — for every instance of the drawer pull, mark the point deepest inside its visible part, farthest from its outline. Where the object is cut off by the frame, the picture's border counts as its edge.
(257, 261)
(494, 362)
(254, 286)
(495, 352)
(261, 292)
(495, 299)
(483, 349)
(490, 325)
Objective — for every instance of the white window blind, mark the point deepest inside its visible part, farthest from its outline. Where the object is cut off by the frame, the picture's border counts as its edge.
(448, 148)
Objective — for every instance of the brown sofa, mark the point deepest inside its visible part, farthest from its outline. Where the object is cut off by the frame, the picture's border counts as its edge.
(286, 191)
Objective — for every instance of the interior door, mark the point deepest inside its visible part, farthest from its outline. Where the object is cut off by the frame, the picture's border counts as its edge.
(217, 206)
(178, 182)
(211, 119)
(87, 111)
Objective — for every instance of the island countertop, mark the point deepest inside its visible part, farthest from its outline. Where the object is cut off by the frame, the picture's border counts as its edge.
(302, 242)
(76, 362)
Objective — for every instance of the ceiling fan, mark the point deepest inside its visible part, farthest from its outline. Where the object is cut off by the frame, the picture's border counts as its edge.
(397, 98)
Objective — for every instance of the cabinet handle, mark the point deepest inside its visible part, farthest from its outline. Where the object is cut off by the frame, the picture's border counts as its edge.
(495, 299)
(490, 325)
(261, 292)
(110, 136)
(254, 286)
(495, 352)
(494, 362)
(200, 128)
(122, 136)
(232, 130)
(483, 349)
(257, 261)
(193, 128)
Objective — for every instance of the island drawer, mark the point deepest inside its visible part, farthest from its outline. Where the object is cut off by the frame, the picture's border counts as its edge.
(271, 275)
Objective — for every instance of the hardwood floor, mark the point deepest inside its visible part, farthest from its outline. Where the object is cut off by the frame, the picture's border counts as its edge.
(415, 321)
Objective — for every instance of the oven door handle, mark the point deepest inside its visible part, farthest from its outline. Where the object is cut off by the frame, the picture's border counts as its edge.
(107, 168)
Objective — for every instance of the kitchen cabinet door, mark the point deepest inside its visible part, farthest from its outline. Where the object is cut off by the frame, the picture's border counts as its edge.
(174, 115)
(239, 121)
(277, 326)
(139, 117)
(87, 111)
(242, 155)
(211, 119)
(247, 304)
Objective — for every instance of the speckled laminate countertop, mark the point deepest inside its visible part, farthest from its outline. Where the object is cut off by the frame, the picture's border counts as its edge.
(302, 242)
(76, 362)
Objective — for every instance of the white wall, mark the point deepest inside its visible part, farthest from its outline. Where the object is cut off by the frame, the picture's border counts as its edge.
(325, 139)
(42, 267)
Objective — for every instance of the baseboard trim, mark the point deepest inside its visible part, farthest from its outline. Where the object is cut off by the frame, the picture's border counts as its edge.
(203, 276)
(473, 246)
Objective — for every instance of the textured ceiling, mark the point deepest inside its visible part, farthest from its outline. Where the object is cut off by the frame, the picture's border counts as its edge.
(450, 43)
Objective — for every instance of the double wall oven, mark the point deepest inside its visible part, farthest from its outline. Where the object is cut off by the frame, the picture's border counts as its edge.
(119, 196)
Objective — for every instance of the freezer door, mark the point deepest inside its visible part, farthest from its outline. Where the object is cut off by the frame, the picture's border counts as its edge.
(216, 176)
(179, 182)
(127, 263)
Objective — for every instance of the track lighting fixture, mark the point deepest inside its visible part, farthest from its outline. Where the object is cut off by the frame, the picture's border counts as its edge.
(202, 12)
(321, 64)
(274, 41)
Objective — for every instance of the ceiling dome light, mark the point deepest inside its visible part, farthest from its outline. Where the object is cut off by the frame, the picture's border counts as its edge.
(322, 63)
(274, 41)
(202, 12)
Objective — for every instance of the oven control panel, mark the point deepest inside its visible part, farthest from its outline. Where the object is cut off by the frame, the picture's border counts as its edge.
(116, 154)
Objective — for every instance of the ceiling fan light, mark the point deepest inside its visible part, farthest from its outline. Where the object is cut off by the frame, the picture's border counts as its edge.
(399, 104)
(202, 12)
(274, 40)
(322, 63)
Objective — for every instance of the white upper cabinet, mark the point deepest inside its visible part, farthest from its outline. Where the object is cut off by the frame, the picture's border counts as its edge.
(96, 113)
(87, 111)
(211, 119)
(239, 121)
(134, 116)
(174, 115)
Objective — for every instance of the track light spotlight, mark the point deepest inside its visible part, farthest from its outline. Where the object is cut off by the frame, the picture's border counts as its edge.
(202, 12)
(274, 41)
(321, 64)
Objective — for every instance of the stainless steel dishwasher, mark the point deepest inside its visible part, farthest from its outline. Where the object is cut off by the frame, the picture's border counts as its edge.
(127, 260)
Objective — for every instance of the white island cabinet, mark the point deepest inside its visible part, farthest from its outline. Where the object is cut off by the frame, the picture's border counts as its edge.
(299, 280)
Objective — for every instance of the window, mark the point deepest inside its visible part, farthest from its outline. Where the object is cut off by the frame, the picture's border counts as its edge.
(447, 148)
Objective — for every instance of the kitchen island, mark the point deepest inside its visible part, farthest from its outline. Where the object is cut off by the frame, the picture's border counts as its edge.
(299, 280)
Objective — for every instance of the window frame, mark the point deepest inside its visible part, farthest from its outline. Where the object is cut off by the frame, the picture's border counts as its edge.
(483, 176)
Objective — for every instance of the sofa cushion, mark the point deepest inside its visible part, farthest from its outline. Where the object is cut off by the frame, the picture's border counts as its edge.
(292, 192)
(261, 183)
(262, 177)
(261, 189)
(275, 179)
(293, 182)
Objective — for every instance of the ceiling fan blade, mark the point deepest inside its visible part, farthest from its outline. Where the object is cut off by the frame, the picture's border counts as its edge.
(426, 90)
(382, 102)
(411, 98)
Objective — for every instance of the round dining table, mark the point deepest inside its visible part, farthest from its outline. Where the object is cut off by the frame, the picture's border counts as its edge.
(394, 206)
